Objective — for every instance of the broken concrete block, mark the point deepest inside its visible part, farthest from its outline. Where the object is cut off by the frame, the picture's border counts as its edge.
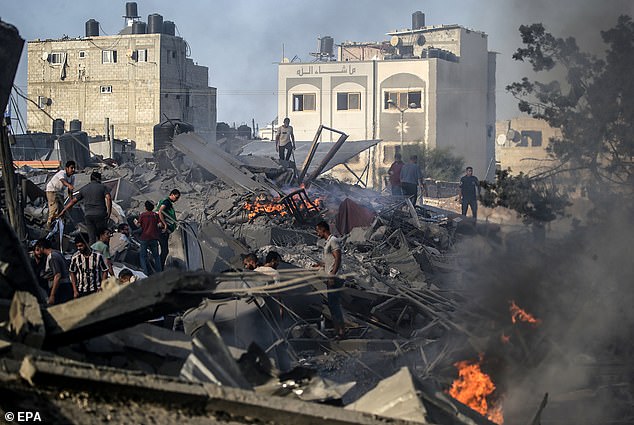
(211, 360)
(25, 320)
(357, 235)
(394, 397)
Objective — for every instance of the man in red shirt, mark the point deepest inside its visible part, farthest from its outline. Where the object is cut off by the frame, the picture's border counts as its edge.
(149, 221)
(395, 175)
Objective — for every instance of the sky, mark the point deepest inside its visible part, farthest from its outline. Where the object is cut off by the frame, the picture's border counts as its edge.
(241, 41)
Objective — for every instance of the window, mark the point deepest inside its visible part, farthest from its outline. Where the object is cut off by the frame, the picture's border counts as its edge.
(43, 101)
(141, 55)
(171, 56)
(348, 101)
(109, 56)
(389, 152)
(402, 99)
(531, 138)
(304, 102)
(56, 58)
(82, 54)
(105, 89)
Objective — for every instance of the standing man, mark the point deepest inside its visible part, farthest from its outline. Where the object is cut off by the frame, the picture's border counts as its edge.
(97, 205)
(331, 263)
(395, 175)
(150, 235)
(60, 287)
(55, 190)
(87, 268)
(167, 216)
(469, 193)
(102, 246)
(285, 140)
(411, 177)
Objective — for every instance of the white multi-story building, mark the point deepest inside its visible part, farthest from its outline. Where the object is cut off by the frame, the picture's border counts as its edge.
(137, 79)
(432, 85)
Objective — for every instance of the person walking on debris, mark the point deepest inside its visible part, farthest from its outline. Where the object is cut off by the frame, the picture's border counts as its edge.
(55, 190)
(150, 234)
(331, 263)
(61, 288)
(102, 246)
(469, 193)
(395, 175)
(38, 263)
(411, 177)
(250, 261)
(285, 140)
(97, 205)
(167, 216)
(87, 268)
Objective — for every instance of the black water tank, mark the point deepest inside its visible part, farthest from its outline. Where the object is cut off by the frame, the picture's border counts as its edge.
(131, 10)
(58, 126)
(154, 24)
(92, 28)
(75, 125)
(138, 27)
(418, 20)
(325, 45)
(169, 28)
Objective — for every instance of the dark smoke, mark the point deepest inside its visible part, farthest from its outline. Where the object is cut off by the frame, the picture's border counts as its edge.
(580, 287)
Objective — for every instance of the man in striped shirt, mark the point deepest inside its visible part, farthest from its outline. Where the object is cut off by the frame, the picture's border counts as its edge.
(87, 268)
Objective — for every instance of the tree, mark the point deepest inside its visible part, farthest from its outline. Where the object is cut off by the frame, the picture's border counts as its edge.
(593, 105)
(536, 201)
(436, 163)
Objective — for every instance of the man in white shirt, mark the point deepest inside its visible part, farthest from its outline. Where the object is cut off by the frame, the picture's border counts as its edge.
(285, 140)
(55, 190)
(331, 262)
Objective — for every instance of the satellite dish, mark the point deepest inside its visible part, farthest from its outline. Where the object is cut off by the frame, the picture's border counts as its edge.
(395, 41)
(420, 40)
(286, 60)
(501, 140)
(44, 56)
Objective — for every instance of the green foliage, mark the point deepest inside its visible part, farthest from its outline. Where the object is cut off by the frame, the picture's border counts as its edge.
(438, 164)
(593, 105)
(534, 200)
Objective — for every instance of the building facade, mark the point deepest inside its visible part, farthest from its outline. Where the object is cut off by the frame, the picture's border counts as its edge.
(521, 145)
(134, 80)
(432, 86)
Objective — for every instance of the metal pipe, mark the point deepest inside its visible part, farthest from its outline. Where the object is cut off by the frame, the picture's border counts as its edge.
(331, 153)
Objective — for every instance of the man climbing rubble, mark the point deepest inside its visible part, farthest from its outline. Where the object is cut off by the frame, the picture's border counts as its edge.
(63, 179)
(285, 140)
(97, 205)
(331, 263)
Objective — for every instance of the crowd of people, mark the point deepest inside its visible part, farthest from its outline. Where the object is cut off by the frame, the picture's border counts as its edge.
(96, 252)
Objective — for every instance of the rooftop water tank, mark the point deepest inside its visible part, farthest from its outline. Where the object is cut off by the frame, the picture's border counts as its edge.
(92, 28)
(138, 27)
(325, 45)
(169, 28)
(154, 24)
(418, 20)
(75, 125)
(58, 126)
(131, 10)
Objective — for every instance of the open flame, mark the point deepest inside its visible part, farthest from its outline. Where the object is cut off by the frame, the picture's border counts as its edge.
(473, 387)
(518, 314)
(262, 206)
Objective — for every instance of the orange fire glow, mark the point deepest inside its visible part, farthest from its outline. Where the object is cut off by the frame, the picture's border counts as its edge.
(262, 207)
(518, 314)
(473, 387)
